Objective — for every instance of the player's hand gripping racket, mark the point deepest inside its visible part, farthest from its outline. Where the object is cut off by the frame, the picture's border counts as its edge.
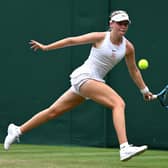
(162, 96)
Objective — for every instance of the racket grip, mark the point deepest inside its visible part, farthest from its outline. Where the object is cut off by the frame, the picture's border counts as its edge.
(154, 96)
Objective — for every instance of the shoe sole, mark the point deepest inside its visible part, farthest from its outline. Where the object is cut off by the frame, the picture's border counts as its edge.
(136, 154)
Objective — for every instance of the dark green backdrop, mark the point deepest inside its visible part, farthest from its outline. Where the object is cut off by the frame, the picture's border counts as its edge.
(31, 81)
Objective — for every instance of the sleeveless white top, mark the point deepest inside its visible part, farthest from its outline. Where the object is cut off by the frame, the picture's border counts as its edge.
(101, 60)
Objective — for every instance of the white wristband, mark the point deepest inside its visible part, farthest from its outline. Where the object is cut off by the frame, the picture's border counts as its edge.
(144, 90)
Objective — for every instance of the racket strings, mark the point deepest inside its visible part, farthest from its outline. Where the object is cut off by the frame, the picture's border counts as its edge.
(164, 97)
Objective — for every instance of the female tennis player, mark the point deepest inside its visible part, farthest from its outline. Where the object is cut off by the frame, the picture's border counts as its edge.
(87, 81)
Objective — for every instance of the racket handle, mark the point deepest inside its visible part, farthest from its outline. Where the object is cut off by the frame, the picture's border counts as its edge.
(154, 96)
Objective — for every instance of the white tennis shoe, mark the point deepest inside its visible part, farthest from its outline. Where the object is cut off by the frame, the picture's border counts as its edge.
(13, 135)
(129, 151)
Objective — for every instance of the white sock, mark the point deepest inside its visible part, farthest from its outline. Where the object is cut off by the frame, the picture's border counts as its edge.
(19, 131)
(123, 145)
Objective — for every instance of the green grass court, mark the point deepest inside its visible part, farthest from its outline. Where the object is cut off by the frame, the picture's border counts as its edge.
(41, 156)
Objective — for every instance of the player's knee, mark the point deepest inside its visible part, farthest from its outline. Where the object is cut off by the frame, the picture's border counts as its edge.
(122, 104)
(119, 104)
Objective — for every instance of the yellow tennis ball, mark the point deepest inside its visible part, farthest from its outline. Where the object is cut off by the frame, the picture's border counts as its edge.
(143, 64)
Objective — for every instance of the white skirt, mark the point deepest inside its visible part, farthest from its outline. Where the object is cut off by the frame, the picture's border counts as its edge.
(79, 76)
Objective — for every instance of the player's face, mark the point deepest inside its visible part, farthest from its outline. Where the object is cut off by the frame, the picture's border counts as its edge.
(120, 27)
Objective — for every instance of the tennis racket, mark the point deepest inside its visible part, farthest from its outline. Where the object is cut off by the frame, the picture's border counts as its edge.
(162, 96)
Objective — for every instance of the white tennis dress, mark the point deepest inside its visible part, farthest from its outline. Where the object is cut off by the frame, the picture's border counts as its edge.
(100, 61)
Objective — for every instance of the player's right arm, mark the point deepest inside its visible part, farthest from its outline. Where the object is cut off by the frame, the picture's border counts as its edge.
(135, 73)
(90, 38)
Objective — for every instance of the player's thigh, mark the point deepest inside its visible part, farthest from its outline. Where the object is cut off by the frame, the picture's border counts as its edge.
(101, 93)
(67, 101)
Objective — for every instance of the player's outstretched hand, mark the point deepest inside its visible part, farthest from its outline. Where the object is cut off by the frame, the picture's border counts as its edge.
(36, 45)
(148, 96)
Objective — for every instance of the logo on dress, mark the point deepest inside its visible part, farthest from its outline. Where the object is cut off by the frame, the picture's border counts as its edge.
(113, 55)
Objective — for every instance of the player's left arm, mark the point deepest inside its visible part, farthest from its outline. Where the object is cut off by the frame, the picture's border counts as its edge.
(134, 71)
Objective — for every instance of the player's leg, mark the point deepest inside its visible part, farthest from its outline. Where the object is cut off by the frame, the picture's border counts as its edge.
(65, 103)
(105, 95)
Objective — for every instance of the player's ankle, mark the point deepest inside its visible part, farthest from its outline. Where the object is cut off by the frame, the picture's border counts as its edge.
(123, 145)
(19, 131)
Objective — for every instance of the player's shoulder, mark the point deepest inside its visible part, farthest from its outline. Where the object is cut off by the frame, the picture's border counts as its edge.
(129, 45)
(99, 35)
(130, 50)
